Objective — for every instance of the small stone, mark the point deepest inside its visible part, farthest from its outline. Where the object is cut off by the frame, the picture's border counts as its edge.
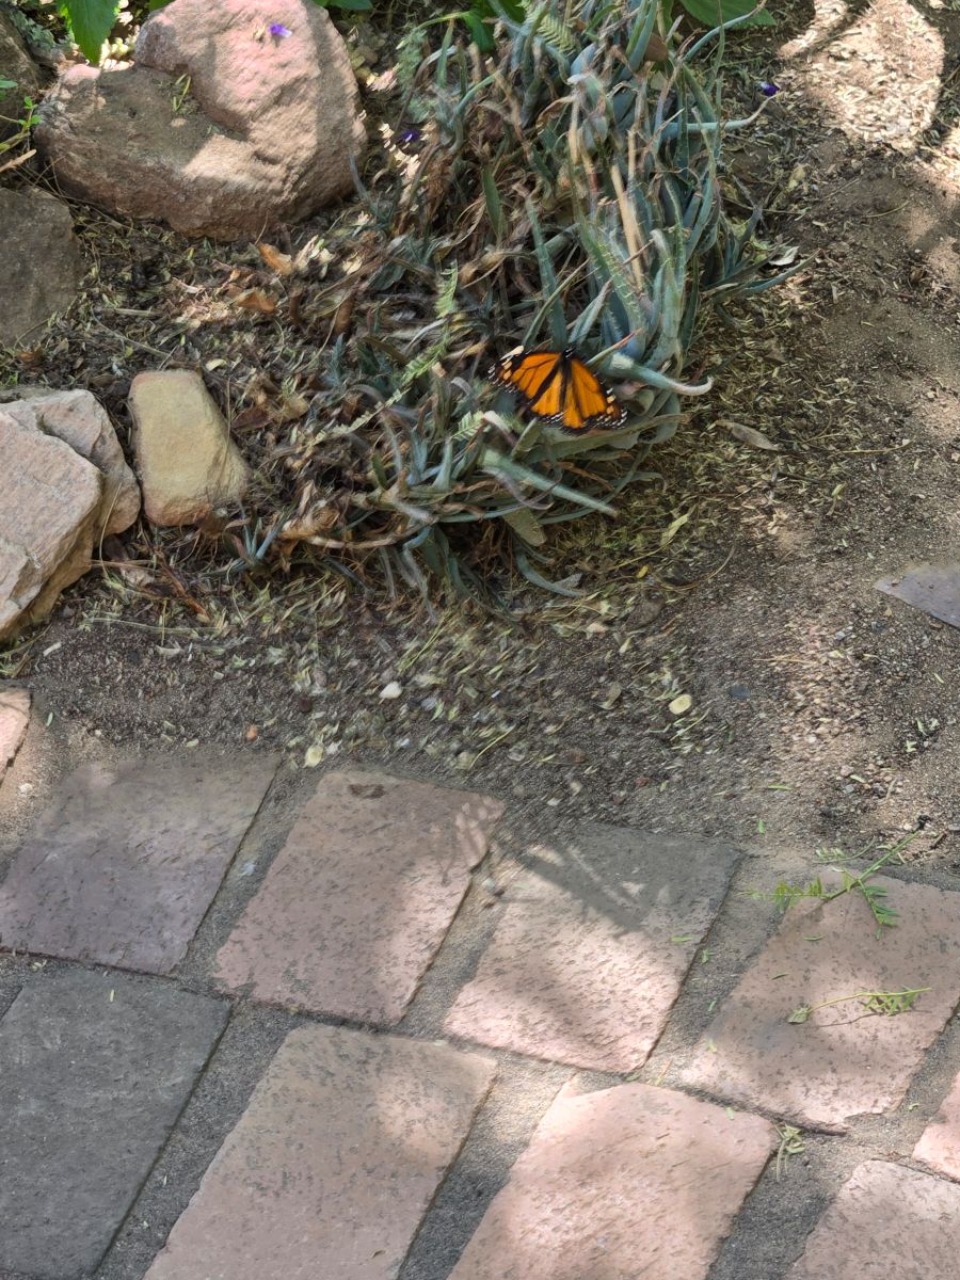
(187, 462)
(680, 705)
(390, 692)
(613, 695)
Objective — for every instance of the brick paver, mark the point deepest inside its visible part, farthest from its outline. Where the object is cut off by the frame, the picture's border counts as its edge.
(588, 958)
(360, 897)
(886, 1221)
(630, 1181)
(939, 1145)
(843, 1061)
(345, 1142)
(123, 868)
(94, 1070)
(14, 718)
(334, 1161)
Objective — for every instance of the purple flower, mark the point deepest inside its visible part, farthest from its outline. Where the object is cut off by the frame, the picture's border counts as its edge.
(768, 88)
(409, 137)
(279, 31)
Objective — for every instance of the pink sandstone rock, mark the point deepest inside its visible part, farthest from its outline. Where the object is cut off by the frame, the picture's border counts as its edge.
(220, 128)
(50, 500)
(14, 718)
(78, 418)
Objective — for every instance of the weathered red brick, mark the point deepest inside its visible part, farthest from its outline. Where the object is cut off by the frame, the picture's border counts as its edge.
(844, 1061)
(95, 1068)
(939, 1145)
(333, 1163)
(359, 899)
(886, 1220)
(591, 951)
(631, 1181)
(123, 868)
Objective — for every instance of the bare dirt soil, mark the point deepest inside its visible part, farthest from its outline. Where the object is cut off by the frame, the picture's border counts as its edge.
(821, 712)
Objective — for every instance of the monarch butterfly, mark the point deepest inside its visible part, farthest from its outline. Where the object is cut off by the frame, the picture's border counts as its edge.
(558, 387)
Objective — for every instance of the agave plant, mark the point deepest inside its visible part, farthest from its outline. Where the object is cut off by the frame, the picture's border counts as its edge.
(566, 194)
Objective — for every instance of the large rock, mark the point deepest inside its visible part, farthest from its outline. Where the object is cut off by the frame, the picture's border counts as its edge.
(49, 502)
(17, 66)
(40, 264)
(77, 418)
(64, 484)
(220, 128)
(187, 462)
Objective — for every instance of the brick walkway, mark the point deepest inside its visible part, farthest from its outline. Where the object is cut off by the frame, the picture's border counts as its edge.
(341, 1037)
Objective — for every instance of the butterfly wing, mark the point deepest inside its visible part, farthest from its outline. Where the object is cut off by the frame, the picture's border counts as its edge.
(532, 375)
(558, 387)
(587, 402)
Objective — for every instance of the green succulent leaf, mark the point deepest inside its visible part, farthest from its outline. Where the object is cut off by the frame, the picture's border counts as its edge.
(91, 22)
(713, 12)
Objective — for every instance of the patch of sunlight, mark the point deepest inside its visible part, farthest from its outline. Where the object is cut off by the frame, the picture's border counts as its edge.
(876, 74)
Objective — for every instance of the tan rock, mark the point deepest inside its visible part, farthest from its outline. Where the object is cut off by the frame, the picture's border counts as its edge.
(77, 418)
(50, 499)
(186, 459)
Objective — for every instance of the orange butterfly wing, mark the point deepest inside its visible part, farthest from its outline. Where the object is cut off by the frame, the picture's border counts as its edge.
(558, 387)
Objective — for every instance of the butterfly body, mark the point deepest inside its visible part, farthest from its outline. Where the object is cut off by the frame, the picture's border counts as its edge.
(559, 388)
